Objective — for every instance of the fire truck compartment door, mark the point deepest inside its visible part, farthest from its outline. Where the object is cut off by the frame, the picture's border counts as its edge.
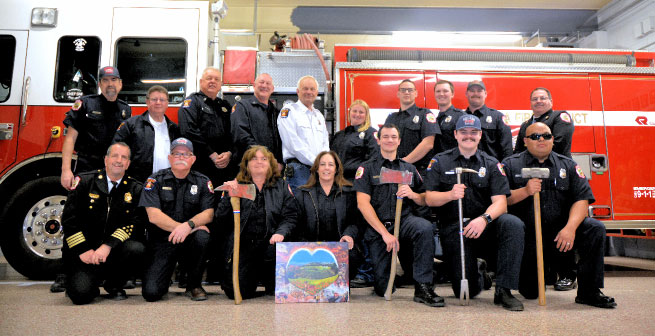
(12, 72)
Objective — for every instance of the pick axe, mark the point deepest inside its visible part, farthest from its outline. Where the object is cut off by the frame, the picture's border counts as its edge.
(540, 173)
(464, 283)
(398, 177)
(242, 191)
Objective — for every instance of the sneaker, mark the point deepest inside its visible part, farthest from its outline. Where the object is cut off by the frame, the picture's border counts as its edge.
(565, 284)
(504, 297)
(359, 282)
(424, 294)
(59, 285)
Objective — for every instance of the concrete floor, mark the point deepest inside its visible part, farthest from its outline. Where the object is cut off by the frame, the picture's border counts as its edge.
(28, 308)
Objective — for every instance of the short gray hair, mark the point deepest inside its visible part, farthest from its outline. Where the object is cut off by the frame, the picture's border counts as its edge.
(308, 77)
(120, 143)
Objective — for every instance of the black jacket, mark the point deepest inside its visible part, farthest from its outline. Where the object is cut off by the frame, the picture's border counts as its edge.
(139, 134)
(281, 211)
(560, 124)
(254, 123)
(348, 216)
(354, 148)
(96, 120)
(92, 218)
(496, 133)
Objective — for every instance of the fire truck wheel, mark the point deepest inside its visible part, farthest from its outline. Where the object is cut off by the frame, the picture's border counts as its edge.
(34, 235)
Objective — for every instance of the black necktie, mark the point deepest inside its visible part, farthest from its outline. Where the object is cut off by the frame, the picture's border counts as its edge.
(114, 188)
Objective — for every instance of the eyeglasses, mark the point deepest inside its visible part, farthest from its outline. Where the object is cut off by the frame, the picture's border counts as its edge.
(535, 99)
(406, 90)
(179, 155)
(158, 100)
(537, 136)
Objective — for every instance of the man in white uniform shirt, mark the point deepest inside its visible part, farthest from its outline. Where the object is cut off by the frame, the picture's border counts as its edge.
(149, 136)
(303, 133)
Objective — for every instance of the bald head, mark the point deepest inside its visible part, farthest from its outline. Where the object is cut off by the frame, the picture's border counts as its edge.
(536, 142)
(264, 87)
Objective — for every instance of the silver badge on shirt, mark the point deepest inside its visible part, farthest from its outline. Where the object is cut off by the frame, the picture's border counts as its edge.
(415, 120)
(361, 135)
(489, 119)
(194, 189)
(448, 119)
(482, 172)
(562, 173)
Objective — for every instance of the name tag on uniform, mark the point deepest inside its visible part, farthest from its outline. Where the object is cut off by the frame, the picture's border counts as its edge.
(96, 112)
(166, 188)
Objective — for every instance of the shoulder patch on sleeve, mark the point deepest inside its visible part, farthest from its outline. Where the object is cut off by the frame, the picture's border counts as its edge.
(234, 108)
(359, 173)
(119, 126)
(76, 182)
(430, 117)
(506, 119)
(150, 182)
(433, 161)
(565, 117)
(187, 103)
(501, 168)
(77, 105)
(578, 170)
(284, 112)
(210, 187)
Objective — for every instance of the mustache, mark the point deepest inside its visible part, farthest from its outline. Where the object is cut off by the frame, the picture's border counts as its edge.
(186, 164)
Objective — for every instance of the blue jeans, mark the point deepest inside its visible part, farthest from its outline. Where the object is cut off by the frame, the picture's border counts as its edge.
(300, 175)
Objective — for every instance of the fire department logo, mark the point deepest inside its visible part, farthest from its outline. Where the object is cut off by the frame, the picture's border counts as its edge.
(448, 119)
(579, 171)
(415, 120)
(501, 169)
(430, 117)
(79, 44)
(433, 161)
(194, 189)
(361, 135)
(119, 126)
(375, 134)
(77, 105)
(76, 181)
(128, 197)
(234, 108)
(149, 183)
(224, 109)
(506, 120)
(210, 187)
(285, 112)
(565, 116)
(562, 173)
(482, 172)
(359, 173)
(187, 103)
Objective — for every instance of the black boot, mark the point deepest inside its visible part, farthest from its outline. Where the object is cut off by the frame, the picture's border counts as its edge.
(595, 298)
(504, 296)
(424, 294)
(59, 285)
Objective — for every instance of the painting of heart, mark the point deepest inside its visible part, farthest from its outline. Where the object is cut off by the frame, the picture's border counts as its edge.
(312, 271)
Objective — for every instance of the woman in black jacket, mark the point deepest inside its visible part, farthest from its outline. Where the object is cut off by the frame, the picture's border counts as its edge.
(269, 219)
(328, 206)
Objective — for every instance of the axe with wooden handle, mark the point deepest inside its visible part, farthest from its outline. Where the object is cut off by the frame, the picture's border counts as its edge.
(398, 177)
(540, 173)
(241, 191)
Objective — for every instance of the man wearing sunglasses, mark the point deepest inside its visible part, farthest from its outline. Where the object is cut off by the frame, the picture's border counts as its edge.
(179, 203)
(418, 127)
(561, 125)
(489, 232)
(560, 122)
(149, 135)
(565, 198)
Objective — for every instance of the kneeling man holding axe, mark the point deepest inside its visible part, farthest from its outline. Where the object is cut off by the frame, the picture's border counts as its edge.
(381, 184)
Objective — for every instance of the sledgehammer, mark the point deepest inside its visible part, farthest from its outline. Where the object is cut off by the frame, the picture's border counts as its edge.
(540, 173)
(241, 191)
(398, 177)
(464, 283)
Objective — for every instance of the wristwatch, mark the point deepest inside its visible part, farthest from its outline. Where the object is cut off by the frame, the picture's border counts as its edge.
(487, 217)
(191, 224)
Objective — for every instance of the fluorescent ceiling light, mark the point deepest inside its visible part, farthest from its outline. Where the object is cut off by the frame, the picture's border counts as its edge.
(163, 81)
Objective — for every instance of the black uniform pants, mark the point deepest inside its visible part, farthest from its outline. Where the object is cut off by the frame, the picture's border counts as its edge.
(590, 245)
(256, 264)
(164, 255)
(504, 235)
(416, 245)
(124, 260)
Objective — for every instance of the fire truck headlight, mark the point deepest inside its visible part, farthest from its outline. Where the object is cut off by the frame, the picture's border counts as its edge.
(44, 17)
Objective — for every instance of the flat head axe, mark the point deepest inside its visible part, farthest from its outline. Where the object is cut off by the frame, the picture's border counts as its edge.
(464, 282)
(399, 177)
(241, 191)
(540, 173)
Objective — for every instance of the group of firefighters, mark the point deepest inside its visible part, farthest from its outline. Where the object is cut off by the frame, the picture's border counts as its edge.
(141, 199)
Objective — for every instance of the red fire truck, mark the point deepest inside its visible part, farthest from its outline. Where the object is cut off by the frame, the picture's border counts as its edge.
(51, 54)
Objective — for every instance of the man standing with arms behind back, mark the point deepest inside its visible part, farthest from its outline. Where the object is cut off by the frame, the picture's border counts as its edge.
(496, 134)
(444, 92)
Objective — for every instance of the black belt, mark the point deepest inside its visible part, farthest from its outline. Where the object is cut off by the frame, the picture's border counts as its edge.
(294, 160)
